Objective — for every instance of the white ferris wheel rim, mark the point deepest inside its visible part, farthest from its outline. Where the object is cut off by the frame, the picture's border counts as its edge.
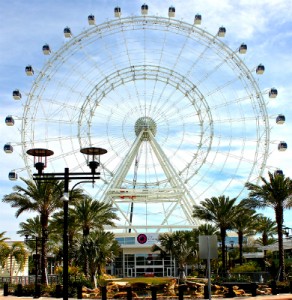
(71, 105)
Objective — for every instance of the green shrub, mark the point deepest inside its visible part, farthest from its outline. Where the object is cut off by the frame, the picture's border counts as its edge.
(246, 267)
(231, 278)
(27, 290)
(283, 286)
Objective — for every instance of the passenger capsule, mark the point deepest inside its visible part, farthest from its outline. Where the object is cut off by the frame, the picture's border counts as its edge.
(67, 32)
(91, 20)
(198, 19)
(16, 95)
(282, 146)
(171, 12)
(12, 175)
(221, 31)
(260, 69)
(242, 49)
(144, 9)
(273, 93)
(8, 148)
(46, 49)
(118, 12)
(280, 119)
(9, 121)
(278, 172)
(29, 70)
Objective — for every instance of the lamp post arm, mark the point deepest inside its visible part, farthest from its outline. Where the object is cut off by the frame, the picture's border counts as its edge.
(83, 181)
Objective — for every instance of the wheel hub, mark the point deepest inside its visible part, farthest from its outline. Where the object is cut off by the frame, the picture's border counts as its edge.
(145, 124)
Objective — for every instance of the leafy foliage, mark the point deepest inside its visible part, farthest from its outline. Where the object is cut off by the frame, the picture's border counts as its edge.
(222, 212)
(275, 193)
(246, 267)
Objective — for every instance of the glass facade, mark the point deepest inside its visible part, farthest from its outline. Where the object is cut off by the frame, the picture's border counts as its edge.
(142, 265)
(126, 240)
(137, 260)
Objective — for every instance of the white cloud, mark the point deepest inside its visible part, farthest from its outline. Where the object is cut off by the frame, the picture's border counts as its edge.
(25, 27)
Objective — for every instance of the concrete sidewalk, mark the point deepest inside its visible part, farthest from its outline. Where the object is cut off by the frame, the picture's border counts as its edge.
(270, 297)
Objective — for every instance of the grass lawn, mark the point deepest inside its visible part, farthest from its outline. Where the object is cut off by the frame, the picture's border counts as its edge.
(148, 280)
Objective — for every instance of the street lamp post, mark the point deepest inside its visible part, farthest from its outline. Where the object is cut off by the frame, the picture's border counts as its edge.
(36, 263)
(40, 162)
(227, 249)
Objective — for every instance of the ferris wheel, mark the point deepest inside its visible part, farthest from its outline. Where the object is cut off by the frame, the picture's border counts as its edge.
(181, 115)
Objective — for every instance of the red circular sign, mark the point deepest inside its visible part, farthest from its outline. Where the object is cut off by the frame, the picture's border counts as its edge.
(142, 238)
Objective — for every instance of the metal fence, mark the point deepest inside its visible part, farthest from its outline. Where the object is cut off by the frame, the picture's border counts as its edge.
(260, 277)
(25, 280)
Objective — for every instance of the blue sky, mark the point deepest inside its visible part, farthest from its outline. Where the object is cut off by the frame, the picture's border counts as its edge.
(265, 26)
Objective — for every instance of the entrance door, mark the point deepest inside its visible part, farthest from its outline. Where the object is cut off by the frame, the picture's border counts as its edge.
(129, 272)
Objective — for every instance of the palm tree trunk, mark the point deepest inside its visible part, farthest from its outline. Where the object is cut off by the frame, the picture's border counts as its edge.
(279, 220)
(223, 250)
(265, 242)
(240, 243)
(182, 276)
(86, 231)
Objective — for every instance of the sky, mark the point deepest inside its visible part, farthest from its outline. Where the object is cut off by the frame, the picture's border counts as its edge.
(265, 26)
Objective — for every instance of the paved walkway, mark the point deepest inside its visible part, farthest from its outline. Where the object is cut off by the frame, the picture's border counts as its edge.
(271, 297)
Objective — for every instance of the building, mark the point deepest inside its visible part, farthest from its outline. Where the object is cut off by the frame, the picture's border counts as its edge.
(137, 259)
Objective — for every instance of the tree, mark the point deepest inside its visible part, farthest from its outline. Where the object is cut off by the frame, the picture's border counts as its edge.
(207, 229)
(244, 225)
(56, 234)
(92, 214)
(182, 245)
(274, 193)
(4, 249)
(32, 227)
(100, 248)
(42, 197)
(221, 211)
(16, 251)
(267, 227)
(2, 237)
(89, 214)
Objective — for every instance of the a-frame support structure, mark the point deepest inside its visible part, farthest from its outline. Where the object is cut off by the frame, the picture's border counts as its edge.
(172, 199)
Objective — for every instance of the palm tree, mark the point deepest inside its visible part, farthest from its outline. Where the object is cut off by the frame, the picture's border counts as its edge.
(4, 253)
(56, 234)
(42, 197)
(267, 227)
(244, 226)
(101, 247)
(32, 227)
(91, 214)
(16, 251)
(275, 193)
(2, 237)
(221, 211)
(182, 245)
(207, 229)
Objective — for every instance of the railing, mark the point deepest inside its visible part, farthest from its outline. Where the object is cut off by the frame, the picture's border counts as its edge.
(25, 280)
(260, 277)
